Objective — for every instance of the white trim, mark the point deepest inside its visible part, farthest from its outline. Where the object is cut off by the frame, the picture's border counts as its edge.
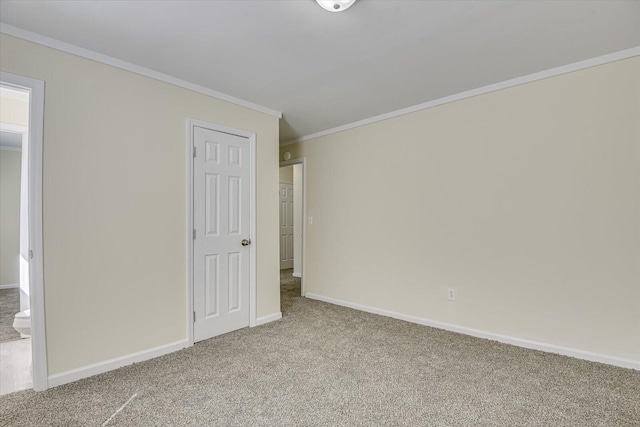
(301, 161)
(16, 95)
(118, 63)
(564, 69)
(191, 123)
(11, 286)
(36, 264)
(188, 233)
(118, 362)
(10, 148)
(298, 275)
(253, 203)
(10, 127)
(267, 319)
(519, 342)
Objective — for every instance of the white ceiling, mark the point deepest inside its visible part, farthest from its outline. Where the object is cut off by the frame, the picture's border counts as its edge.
(324, 70)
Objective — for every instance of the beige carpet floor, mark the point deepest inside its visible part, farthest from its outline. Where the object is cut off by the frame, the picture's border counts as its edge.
(324, 365)
(9, 306)
(289, 289)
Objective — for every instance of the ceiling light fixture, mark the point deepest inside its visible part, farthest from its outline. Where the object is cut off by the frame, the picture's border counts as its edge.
(335, 5)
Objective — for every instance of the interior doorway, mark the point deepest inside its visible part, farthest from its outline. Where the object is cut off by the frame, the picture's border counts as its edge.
(292, 230)
(15, 341)
(221, 228)
(22, 331)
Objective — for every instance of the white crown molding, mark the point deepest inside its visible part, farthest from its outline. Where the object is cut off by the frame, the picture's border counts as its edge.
(519, 342)
(587, 63)
(114, 62)
(10, 127)
(16, 95)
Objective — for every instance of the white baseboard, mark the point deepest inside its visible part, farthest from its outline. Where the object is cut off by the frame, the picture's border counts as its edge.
(109, 365)
(297, 274)
(270, 318)
(520, 342)
(11, 286)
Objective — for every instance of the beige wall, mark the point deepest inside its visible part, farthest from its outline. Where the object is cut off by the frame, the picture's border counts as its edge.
(286, 174)
(10, 217)
(526, 201)
(115, 204)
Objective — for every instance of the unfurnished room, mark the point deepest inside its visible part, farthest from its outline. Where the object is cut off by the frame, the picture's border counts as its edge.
(320, 213)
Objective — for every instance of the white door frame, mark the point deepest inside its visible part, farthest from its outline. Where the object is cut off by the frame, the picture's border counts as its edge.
(301, 161)
(191, 123)
(36, 263)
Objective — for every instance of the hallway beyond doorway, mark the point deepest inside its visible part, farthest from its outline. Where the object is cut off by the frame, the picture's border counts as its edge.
(289, 290)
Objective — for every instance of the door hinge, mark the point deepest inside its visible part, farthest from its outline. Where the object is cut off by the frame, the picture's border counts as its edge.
(194, 234)
(194, 152)
(194, 317)
(30, 254)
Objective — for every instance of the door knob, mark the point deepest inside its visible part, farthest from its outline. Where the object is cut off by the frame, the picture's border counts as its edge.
(246, 242)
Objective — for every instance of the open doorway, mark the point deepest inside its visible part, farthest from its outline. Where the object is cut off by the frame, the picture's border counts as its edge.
(291, 202)
(22, 341)
(15, 314)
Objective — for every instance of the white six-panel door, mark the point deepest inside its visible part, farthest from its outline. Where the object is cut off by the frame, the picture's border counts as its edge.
(221, 224)
(286, 225)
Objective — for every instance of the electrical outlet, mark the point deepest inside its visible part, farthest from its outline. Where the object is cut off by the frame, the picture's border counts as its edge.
(451, 294)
